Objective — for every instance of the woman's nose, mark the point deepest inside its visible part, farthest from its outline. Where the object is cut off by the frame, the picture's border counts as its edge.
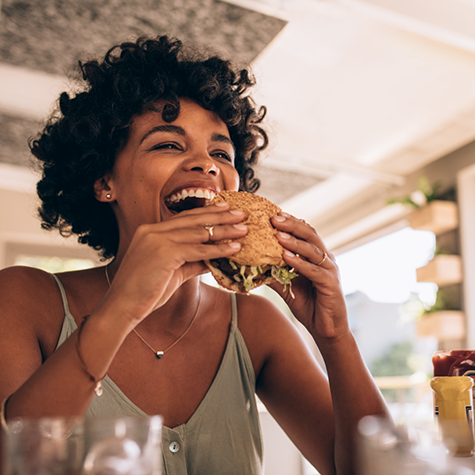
(201, 163)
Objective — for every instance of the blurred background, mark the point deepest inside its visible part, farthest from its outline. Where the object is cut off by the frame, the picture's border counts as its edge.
(371, 114)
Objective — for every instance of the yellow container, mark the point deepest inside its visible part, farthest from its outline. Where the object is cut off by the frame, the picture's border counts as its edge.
(453, 409)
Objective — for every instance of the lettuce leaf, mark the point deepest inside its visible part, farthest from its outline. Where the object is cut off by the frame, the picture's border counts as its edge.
(284, 275)
(247, 274)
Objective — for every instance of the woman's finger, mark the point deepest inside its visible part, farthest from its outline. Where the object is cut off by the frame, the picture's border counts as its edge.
(201, 218)
(209, 233)
(203, 252)
(298, 228)
(198, 234)
(308, 251)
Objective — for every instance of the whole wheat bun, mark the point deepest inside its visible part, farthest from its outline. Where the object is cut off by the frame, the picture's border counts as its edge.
(259, 246)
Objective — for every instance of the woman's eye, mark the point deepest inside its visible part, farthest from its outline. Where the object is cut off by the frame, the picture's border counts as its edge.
(165, 146)
(223, 155)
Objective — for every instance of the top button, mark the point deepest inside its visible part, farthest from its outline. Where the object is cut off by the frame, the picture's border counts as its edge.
(174, 447)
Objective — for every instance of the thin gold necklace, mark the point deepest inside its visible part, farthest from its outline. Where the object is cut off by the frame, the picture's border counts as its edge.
(159, 354)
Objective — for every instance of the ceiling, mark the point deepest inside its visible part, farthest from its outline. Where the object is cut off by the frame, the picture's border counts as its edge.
(361, 94)
(364, 94)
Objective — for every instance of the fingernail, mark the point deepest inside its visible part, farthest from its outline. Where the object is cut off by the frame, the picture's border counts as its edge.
(237, 212)
(235, 245)
(284, 235)
(241, 227)
(280, 219)
(288, 253)
(286, 215)
(222, 204)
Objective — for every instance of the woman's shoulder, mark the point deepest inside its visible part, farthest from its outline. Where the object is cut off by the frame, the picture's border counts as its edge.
(30, 303)
(29, 282)
(26, 291)
(265, 328)
(255, 312)
(36, 284)
(258, 313)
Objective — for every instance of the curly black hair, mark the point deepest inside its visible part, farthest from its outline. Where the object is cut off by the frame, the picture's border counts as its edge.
(80, 141)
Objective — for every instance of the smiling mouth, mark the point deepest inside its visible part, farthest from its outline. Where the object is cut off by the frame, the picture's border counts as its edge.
(189, 198)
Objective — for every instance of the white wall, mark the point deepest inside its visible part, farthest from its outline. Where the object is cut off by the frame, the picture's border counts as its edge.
(20, 231)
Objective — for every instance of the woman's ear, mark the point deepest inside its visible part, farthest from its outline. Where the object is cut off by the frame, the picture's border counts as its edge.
(102, 190)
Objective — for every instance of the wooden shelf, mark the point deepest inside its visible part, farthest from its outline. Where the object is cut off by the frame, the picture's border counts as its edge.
(442, 270)
(444, 325)
(438, 216)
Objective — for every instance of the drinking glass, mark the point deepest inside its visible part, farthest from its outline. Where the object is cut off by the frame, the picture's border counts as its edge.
(48, 446)
(123, 446)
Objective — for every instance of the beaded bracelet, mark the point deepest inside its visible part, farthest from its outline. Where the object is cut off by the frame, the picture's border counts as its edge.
(98, 383)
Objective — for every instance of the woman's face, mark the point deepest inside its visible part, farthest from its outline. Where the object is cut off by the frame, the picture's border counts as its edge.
(167, 167)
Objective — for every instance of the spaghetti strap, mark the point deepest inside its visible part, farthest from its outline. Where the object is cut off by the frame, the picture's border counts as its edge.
(234, 312)
(63, 294)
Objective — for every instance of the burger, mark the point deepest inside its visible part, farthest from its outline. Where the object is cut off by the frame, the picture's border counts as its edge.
(259, 261)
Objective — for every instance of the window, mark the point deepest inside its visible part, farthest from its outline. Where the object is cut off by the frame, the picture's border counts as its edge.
(384, 301)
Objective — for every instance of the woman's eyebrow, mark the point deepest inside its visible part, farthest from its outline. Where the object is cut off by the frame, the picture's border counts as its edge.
(165, 128)
(222, 138)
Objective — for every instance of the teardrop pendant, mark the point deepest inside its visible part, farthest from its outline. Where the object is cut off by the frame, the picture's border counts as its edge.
(159, 354)
(98, 388)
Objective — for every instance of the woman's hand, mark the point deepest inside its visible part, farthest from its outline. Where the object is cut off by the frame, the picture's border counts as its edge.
(162, 256)
(319, 303)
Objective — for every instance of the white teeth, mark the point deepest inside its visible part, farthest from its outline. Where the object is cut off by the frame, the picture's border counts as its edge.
(198, 193)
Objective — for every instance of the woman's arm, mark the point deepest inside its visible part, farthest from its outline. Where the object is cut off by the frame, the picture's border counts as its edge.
(289, 380)
(320, 416)
(160, 258)
(31, 313)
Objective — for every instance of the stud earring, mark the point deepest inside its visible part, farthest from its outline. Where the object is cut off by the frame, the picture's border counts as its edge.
(108, 196)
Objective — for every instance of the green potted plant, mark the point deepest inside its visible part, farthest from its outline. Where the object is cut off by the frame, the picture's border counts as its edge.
(429, 213)
(442, 320)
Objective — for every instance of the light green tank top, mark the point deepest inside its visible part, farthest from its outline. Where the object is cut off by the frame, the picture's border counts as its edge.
(223, 436)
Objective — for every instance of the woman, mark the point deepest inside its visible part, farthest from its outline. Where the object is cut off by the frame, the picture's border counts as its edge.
(154, 119)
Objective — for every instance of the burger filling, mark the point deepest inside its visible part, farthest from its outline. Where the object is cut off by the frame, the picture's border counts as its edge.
(250, 276)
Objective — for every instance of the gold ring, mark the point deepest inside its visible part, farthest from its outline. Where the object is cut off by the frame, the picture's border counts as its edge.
(210, 229)
(323, 259)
